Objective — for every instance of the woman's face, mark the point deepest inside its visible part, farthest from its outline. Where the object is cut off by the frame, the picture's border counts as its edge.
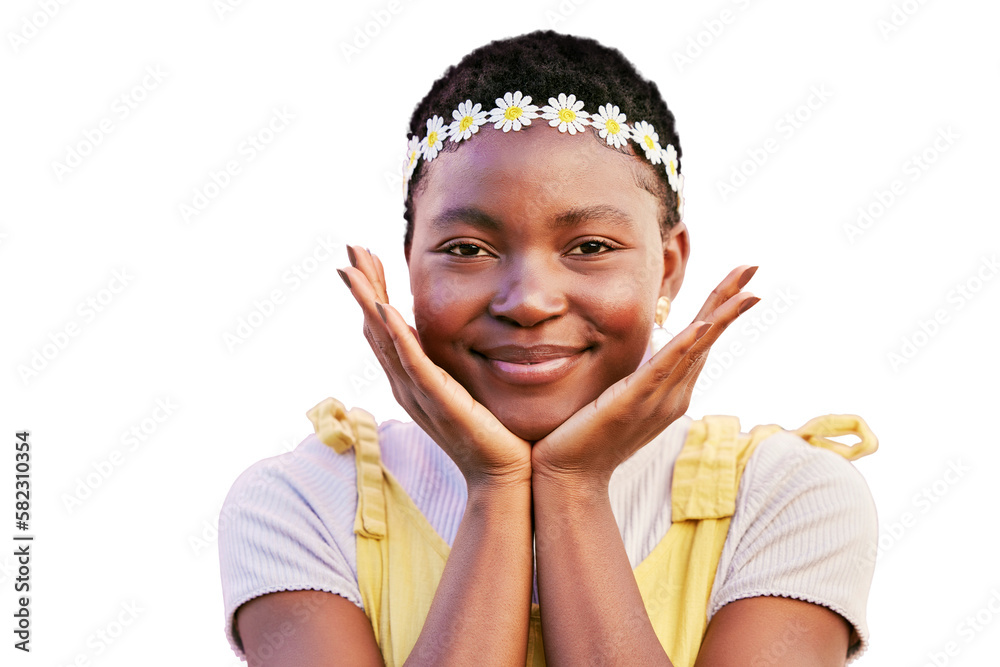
(535, 266)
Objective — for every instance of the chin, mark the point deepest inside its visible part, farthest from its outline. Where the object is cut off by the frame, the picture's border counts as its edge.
(530, 432)
(532, 423)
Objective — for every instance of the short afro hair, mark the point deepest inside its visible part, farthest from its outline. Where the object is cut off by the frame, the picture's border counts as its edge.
(543, 64)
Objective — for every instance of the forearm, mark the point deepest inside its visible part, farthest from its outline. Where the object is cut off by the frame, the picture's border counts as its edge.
(591, 607)
(482, 604)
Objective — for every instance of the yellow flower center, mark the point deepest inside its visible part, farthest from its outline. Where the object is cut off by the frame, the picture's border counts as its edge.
(413, 156)
(512, 113)
(432, 138)
(673, 168)
(567, 115)
(612, 126)
(464, 125)
(649, 142)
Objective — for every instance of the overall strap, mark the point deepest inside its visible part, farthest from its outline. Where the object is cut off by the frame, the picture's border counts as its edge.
(708, 470)
(676, 580)
(834, 425)
(705, 472)
(341, 430)
(397, 577)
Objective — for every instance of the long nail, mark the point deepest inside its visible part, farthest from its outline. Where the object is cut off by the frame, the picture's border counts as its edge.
(747, 275)
(351, 256)
(381, 311)
(746, 305)
(702, 330)
(343, 276)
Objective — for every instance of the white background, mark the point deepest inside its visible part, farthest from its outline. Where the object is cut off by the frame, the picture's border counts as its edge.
(145, 535)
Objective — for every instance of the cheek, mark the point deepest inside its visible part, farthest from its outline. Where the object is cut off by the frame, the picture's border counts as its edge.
(442, 304)
(626, 304)
(434, 293)
(623, 310)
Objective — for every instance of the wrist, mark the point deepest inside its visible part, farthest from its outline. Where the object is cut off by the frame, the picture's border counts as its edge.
(499, 505)
(507, 484)
(574, 488)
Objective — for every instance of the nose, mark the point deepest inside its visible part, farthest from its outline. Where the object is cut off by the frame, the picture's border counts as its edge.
(528, 292)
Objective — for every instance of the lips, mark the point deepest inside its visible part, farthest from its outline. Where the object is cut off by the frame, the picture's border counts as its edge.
(536, 364)
(534, 354)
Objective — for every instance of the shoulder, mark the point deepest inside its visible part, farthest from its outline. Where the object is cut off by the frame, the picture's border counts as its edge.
(805, 527)
(287, 523)
(785, 469)
(290, 509)
(314, 477)
(311, 470)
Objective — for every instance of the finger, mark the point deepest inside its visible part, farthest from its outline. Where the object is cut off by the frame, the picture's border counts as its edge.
(384, 285)
(684, 360)
(362, 260)
(647, 390)
(380, 273)
(730, 285)
(685, 385)
(438, 403)
(427, 376)
(661, 366)
(379, 336)
(357, 257)
(374, 327)
(723, 316)
(447, 405)
(671, 385)
(365, 265)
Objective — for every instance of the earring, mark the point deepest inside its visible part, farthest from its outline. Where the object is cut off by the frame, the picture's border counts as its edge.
(662, 310)
(660, 336)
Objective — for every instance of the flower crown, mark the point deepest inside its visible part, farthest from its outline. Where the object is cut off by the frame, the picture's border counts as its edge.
(514, 111)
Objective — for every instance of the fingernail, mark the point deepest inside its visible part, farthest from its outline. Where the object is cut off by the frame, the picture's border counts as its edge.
(702, 330)
(746, 305)
(381, 312)
(352, 257)
(343, 276)
(747, 275)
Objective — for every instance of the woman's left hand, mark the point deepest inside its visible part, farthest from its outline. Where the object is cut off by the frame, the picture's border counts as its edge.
(587, 447)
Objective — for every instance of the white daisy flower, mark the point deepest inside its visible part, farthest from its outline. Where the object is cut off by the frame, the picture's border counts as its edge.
(434, 141)
(611, 123)
(644, 135)
(669, 157)
(513, 111)
(410, 161)
(468, 118)
(566, 113)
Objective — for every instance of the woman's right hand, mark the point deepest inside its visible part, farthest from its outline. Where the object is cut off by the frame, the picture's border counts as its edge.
(484, 450)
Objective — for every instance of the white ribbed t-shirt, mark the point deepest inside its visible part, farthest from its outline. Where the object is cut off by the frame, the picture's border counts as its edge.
(805, 525)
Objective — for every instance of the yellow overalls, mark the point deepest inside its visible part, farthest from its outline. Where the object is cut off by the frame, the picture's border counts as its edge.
(398, 577)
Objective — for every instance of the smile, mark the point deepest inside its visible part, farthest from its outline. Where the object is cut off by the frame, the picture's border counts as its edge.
(526, 366)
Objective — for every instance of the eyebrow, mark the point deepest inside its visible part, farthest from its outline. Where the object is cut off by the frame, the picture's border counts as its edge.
(572, 218)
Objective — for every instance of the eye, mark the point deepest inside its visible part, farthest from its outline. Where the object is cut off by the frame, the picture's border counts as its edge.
(465, 249)
(592, 247)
